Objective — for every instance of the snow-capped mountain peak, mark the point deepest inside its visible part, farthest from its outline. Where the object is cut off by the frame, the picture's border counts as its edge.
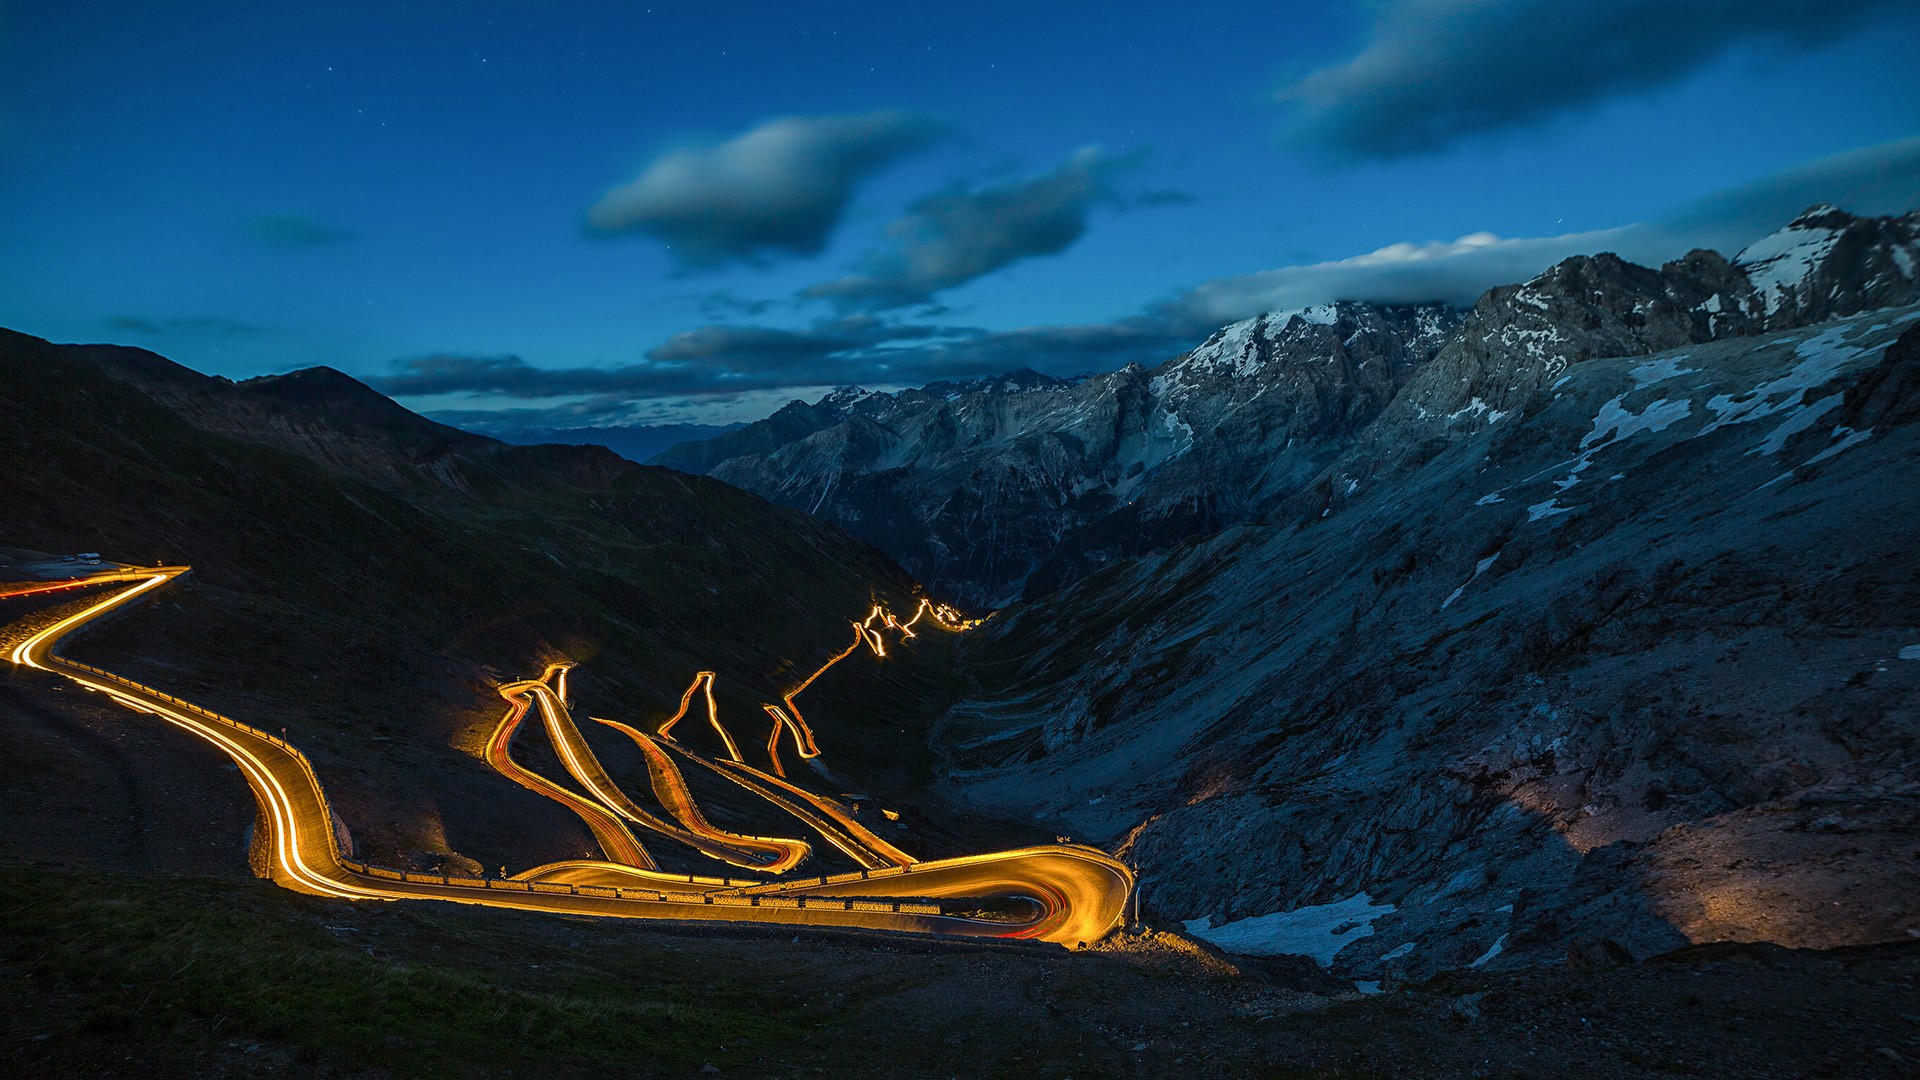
(1008, 486)
(1827, 254)
(842, 398)
(1780, 262)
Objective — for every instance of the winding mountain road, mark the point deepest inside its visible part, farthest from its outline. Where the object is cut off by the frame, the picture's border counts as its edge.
(768, 854)
(1075, 893)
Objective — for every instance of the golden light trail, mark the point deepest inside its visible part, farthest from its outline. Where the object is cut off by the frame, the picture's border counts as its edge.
(873, 636)
(703, 679)
(803, 735)
(10, 590)
(768, 854)
(1078, 893)
(670, 787)
(873, 846)
(23, 653)
(825, 816)
(665, 730)
(943, 616)
(616, 842)
(826, 823)
(782, 720)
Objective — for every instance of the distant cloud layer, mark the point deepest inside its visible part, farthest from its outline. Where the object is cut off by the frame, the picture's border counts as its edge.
(1436, 71)
(780, 188)
(1881, 179)
(1453, 272)
(952, 237)
(719, 361)
(758, 363)
(706, 360)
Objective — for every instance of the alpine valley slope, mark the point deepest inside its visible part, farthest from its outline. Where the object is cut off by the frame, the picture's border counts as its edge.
(365, 578)
(1603, 635)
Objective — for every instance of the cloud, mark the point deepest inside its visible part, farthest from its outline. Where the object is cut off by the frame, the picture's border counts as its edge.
(1871, 180)
(295, 231)
(723, 302)
(748, 367)
(779, 188)
(201, 326)
(746, 349)
(1434, 72)
(1879, 179)
(1453, 272)
(706, 360)
(724, 360)
(1059, 350)
(594, 412)
(953, 237)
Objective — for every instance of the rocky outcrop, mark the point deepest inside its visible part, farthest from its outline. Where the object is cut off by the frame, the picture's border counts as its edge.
(1015, 486)
(1828, 263)
(1602, 631)
(1022, 483)
(1520, 341)
(1580, 674)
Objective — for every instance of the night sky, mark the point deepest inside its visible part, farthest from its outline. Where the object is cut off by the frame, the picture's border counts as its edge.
(555, 214)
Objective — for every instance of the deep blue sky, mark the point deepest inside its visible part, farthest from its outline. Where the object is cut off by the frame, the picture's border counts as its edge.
(419, 194)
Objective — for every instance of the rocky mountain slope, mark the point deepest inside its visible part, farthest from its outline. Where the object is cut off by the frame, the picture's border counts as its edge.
(1603, 634)
(1024, 483)
(1014, 487)
(365, 577)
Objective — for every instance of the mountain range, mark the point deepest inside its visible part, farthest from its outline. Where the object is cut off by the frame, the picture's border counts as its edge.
(1418, 639)
(1406, 639)
(992, 492)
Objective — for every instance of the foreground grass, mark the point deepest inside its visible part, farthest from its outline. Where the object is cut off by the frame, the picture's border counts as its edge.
(116, 975)
(175, 971)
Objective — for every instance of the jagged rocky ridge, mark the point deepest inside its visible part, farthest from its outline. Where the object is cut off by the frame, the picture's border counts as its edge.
(1018, 485)
(1023, 483)
(1605, 628)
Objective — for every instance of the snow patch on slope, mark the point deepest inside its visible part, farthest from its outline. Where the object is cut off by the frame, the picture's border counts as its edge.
(1478, 569)
(1657, 371)
(1779, 264)
(1542, 510)
(1319, 931)
(1498, 946)
(1822, 357)
(1622, 423)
